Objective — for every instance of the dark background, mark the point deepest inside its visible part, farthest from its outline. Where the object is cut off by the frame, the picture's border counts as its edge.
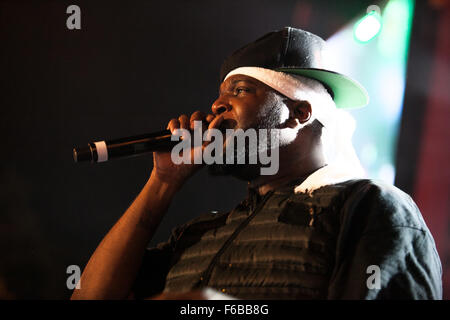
(132, 67)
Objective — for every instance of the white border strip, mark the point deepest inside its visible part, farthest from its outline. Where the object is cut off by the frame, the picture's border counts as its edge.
(102, 151)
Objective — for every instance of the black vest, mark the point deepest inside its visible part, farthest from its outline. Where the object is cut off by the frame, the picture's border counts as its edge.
(279, 246)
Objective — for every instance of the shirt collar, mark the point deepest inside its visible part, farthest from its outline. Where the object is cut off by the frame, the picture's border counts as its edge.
(329, 174)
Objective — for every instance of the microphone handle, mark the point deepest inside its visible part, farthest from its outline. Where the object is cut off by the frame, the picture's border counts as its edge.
(101, 151)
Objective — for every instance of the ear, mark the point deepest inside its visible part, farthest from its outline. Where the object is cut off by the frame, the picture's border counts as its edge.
(302, 111)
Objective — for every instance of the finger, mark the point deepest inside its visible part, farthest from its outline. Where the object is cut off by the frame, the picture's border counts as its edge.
(173, 125)
(213, 125)
(210, 117)
(184, 121)
(196, 116)
(216, 122)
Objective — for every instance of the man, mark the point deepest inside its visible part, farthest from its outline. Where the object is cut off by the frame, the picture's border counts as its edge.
(312, 230)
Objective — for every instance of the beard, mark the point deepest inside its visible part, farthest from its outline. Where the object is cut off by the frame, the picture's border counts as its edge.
(243, 171)
(268, 119)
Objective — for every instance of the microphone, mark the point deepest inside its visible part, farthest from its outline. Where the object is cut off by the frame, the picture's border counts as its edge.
(101, 151)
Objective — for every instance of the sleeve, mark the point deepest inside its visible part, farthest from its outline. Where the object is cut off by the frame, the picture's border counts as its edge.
(152, 274)
(154, 268)
(384, 249)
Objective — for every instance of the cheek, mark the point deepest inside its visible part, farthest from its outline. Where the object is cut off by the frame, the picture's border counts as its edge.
(246, 118)
(272, 114)
(265, 112)
(245, 113)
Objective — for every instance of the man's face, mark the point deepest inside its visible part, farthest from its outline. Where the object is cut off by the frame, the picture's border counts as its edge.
(246, 103)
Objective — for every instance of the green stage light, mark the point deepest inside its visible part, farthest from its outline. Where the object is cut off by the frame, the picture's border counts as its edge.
(368, 27)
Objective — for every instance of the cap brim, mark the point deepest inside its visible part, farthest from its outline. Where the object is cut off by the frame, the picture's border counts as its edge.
(347, 92)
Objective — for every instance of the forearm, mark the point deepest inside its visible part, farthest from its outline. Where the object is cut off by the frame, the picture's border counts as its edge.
(113, 267)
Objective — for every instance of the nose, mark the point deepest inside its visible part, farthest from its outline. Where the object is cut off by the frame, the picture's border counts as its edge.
(219, 106)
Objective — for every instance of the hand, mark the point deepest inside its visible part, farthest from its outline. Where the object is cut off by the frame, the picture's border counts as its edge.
(163, 167)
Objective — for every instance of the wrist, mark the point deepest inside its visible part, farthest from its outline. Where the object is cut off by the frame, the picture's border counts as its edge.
(155, 198)
(162, 185)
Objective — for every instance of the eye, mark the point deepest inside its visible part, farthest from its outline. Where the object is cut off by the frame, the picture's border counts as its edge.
(240, 90)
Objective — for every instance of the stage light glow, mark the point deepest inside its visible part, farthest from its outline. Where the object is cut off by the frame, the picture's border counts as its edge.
(397, 21)
(368, 27)
(380, 65)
